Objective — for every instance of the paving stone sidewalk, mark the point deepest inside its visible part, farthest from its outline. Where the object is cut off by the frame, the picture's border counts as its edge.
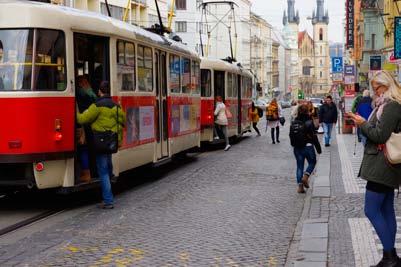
(236, 208)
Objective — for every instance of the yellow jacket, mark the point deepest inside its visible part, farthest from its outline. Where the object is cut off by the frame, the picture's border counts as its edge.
(255, 115)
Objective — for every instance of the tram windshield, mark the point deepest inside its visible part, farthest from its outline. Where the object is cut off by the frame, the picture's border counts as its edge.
(32, 60)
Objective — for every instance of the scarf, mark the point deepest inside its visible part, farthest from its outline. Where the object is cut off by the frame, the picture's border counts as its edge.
(380, 103)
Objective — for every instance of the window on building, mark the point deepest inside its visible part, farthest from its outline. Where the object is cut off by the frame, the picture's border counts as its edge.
(373, 41)
(321, 74)
(321, 34)
(115, 11)
(126, 66)
(175, 80)
(321, 63)
(321, 50)
(181, 4)
(145, 69)
(306, 70)
(181, 26)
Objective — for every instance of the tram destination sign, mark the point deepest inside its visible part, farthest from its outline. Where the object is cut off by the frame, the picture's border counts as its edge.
(397, 38)
(350, 23)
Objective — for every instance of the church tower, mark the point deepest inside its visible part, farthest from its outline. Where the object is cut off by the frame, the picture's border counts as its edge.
(291, 18)
(320, 21)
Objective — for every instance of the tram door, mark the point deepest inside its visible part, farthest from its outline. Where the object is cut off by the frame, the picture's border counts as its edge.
(161, 105)
(91, 67)
(239, 91)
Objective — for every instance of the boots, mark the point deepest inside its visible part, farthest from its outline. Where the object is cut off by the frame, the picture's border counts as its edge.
(390, 259)
(305, 180)
(301, 189)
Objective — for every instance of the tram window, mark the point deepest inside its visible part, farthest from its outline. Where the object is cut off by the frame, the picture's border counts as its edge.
(206, 83)
(126, 66)
(195, 83)
(186, 76)
(229, 85)
(175, 82)
(49, 68)
(243, 86)
(235, 85)
(145, 69)
(219, 84)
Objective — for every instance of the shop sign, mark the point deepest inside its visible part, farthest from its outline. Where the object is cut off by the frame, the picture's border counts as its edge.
(349, 70)
(350, 23)
(349, 80)
(375, 62)
(397, 38)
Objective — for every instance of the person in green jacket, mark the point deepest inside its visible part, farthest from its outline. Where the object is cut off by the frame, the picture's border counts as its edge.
(104, 115)
(382, 177)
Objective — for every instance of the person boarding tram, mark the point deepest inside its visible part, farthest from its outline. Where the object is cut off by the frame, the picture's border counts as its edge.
(104, 116)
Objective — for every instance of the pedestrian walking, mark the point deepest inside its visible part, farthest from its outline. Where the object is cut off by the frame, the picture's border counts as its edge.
(255, 118)
(328, 117)
(221, 121)
(304, 140)
(382, 177)
(364, 108)
(106, 120)
(273, 113)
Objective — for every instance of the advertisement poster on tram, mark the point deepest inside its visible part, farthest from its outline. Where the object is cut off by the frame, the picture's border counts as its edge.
(140, 124)
(132, 125)
(146, 127)
(185, 123)
(175, 120)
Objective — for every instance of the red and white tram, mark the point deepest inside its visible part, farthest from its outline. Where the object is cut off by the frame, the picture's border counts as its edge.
(44, 48)
(234, 85)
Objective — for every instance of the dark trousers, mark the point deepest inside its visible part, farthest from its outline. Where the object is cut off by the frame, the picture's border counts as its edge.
(277, 130)
(255, 126)
(379, 208)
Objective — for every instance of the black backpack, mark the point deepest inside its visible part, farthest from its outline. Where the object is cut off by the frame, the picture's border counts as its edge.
(298, 134)
(260, 112)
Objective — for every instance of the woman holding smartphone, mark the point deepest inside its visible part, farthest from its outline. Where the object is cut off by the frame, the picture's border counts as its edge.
(382, 177)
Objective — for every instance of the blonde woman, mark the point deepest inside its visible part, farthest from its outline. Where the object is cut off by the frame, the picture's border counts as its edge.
(381, 176)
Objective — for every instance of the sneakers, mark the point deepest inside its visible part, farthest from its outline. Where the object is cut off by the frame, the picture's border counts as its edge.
(216, 138)
(327, 145)
(105, 206)
(227, 148)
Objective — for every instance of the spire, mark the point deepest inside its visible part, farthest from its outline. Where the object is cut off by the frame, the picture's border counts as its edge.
(292, 17)
(320, 16)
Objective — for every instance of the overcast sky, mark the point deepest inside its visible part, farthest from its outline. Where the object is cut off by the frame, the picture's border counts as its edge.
(272, 11)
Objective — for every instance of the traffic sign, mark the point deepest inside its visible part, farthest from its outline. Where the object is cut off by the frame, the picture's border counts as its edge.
(349, 70)
(337, 64)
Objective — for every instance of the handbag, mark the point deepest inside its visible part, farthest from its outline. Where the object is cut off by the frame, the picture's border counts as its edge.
(229, 115)
(105, 142)
(282, 121)
(393, 149)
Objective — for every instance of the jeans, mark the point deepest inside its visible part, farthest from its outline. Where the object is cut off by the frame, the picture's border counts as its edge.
(105, 169)
(308, 153)
(255, 126)
(222, 130)
(379, 208)
(327, 128)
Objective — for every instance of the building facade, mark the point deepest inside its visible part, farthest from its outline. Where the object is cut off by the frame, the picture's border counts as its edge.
(261, 51)
(189, 12)
(290, 33)
(140, 12)
(320, 22)
(306, 52)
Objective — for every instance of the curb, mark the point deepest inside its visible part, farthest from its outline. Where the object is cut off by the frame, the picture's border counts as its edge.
(313, 243)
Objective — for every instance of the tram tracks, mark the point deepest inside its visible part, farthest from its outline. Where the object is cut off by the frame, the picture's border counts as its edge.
(29, 221)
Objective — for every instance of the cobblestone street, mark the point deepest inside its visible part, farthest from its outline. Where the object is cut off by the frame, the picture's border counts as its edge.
(236, 208)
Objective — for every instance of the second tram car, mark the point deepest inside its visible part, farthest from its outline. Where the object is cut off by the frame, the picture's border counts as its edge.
(234, 85)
